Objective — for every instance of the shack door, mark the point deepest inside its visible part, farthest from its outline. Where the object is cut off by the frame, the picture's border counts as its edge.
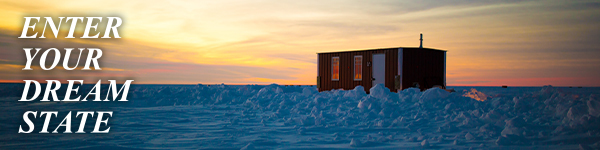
(378, 69)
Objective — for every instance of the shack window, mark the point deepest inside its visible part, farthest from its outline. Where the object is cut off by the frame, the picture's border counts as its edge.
(358, 68)
(335, 68)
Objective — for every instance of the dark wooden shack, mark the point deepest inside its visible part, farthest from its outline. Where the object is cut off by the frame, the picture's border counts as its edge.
(397, 68)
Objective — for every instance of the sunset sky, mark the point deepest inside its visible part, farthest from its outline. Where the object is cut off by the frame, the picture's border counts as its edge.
(489, 43)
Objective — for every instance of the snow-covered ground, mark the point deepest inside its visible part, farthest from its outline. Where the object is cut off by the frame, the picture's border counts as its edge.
(292, 117)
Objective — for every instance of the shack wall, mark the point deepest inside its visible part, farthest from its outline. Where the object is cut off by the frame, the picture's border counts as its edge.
(346, 80)
(424, 66)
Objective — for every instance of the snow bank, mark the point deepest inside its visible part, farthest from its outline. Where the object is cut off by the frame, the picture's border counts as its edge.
(425, 118)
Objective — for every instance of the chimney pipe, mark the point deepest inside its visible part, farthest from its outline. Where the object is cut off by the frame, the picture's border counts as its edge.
(421, 46)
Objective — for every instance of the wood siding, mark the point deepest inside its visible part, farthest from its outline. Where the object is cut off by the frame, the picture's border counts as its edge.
(424, 61)
(424, 66)
(346, 81)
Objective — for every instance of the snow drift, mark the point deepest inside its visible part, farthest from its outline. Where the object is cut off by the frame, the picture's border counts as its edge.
(275, 116)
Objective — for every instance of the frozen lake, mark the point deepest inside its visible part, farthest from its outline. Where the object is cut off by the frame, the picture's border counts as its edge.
(292, 117)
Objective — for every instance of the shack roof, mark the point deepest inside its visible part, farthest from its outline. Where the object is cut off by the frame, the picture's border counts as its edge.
(391, 48)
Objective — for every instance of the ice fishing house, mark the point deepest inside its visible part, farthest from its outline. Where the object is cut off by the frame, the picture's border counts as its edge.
(397, 68)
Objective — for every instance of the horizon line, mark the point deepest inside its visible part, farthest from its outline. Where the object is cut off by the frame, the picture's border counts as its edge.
(304, 84)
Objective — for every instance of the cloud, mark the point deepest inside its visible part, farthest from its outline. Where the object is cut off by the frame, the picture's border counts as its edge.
(235, 41)
(130, 60)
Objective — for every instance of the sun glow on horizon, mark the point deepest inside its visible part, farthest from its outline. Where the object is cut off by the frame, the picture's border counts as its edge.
(525, 43)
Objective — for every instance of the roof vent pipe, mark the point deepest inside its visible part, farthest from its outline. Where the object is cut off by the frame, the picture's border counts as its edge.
(421, 46)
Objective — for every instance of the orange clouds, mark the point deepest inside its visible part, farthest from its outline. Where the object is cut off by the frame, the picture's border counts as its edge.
(525, 43)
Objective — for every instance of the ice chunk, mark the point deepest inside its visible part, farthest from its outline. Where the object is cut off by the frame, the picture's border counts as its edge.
(379, 91)
(574, 114)
(301, 131)
(593, 107)
(250, 146)
(515, 122)
(355, 143)
(319, 100)
(308, 91)
(365, 102)
(411, 91)
(278, 90)
(457, 142)
(476, 95)
(509, 130)
(502, 141)
(469, 136)
(548, 89)
(425, 143)
(489, 129)
(264, 91)
(421, 138)
(434, 94)
(409, 95)
(356, 93)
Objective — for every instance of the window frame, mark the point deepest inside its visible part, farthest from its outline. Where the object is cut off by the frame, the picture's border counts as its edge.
(338, 68)
(354, 67)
